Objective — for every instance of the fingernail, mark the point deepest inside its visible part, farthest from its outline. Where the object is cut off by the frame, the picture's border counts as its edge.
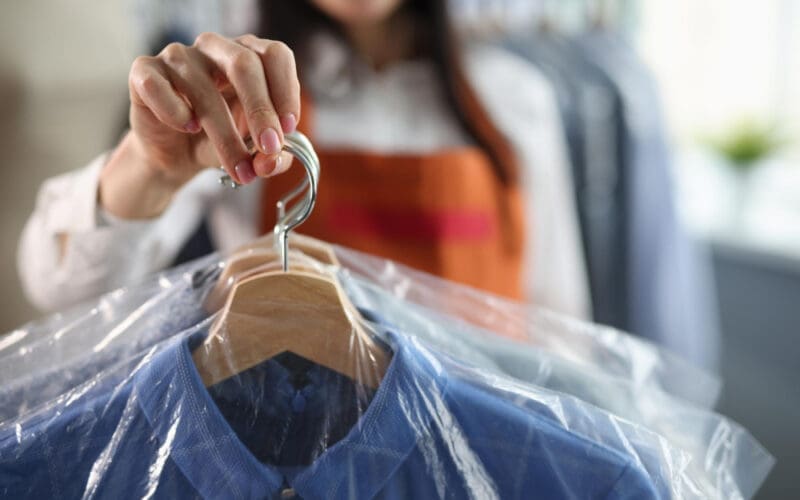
(245, 172)
(289, 123)
(192, 126)
(270, 142)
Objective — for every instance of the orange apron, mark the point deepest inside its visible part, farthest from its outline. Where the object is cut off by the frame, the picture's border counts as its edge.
(446, 213)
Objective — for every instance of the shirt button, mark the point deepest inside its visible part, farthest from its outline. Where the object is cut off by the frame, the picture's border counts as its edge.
(288, 493)
(298, 402)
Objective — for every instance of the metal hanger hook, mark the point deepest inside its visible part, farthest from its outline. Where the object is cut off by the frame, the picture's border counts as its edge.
(300, 147)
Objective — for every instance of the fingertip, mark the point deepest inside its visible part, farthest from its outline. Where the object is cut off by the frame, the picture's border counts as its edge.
(245, 171)
(289, 123)
(192, 126)
(269, 166)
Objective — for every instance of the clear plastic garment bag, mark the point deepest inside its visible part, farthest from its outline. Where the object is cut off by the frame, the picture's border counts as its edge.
(304, 370)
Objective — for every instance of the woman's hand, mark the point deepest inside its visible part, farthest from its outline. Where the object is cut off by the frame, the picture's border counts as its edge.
(191, 106)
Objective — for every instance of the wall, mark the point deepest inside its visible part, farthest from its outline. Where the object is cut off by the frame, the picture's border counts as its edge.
(63, 91)
(720, 61)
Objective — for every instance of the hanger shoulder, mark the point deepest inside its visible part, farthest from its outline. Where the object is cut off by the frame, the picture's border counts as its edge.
(314, 248)
(298, 312)
(249, 258)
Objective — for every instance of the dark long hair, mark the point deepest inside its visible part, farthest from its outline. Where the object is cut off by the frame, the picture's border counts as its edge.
(294, 21)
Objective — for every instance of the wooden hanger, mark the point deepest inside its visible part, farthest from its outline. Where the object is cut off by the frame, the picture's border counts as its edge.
(253, 257)
(312, 247)
(298, 311)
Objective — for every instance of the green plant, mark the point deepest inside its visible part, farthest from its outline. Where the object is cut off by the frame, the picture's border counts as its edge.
(747, 142)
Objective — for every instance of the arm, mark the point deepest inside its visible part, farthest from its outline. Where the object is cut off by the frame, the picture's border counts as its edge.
(71, 249)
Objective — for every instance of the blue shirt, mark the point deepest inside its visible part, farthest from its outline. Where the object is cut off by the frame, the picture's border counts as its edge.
(426, 432)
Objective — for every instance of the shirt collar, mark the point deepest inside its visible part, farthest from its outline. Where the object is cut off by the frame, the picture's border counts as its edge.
(188, 424)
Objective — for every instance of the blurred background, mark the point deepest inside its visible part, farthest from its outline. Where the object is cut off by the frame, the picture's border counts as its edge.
(727, 75)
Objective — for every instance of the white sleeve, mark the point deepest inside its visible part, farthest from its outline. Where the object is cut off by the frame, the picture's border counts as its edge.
(523, 106)
(101, 252)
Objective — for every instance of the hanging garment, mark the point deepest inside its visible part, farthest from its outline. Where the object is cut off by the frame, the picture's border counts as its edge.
(602, 367)
(646, 275)
(428, 431)
(670, 288)
(124, 325)
(446, 213)
(591, 113)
